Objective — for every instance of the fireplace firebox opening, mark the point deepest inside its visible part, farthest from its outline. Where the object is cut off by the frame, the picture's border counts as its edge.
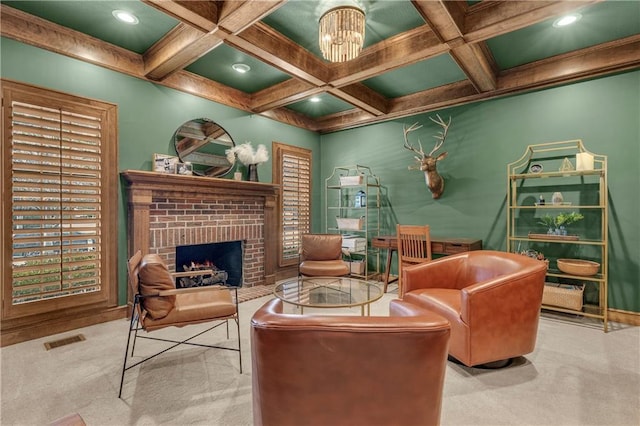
(224, 258)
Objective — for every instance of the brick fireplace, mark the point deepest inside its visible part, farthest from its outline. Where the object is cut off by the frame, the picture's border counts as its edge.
(166, 211)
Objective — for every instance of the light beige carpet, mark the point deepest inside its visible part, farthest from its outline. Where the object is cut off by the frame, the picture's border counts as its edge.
(577, 375)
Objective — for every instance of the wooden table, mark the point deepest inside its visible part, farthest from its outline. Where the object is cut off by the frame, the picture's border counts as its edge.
(439, 245)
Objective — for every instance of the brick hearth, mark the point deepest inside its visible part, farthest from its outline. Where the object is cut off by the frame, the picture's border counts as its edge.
(170, 210)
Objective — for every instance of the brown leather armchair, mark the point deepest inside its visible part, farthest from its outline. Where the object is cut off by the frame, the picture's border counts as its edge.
(347, 370)
(492, 300)
(159, 304)
(321, 255)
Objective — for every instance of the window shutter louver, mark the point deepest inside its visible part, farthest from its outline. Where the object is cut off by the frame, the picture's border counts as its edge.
(294, 166)
(56, 163)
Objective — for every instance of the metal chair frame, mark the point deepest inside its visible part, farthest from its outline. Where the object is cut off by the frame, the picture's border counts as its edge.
(135, 325)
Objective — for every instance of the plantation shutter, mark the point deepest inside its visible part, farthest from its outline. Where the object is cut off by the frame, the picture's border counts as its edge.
(294, 165)
(56, 209)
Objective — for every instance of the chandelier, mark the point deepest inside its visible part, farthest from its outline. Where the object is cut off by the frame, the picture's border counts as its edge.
(341, 33)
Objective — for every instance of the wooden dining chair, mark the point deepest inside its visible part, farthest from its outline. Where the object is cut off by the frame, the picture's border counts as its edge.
(414, 246)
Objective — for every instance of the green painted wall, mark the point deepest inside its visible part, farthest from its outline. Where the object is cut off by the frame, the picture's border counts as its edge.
(148, 116)
(483, 138)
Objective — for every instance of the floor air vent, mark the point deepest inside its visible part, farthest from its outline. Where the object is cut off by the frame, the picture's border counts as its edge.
(66, 341)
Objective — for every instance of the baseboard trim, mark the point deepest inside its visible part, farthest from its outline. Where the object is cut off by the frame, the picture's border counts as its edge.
(60, 325)
(624, 317)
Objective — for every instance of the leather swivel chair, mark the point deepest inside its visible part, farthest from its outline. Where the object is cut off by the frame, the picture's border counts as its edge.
(492, 300)
(321, 255)
(346, 370)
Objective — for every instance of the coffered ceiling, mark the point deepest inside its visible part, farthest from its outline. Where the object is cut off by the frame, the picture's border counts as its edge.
(418, 56)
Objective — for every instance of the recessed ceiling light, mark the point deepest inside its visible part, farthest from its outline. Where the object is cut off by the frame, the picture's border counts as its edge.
(241, 68)
(126, 17)
(314, 99)
(567, 20)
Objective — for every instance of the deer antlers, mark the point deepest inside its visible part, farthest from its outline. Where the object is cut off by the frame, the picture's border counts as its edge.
(410, 147)
(442, 135)
(427, 162)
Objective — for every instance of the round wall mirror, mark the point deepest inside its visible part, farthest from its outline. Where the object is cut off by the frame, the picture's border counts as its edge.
(202, 143)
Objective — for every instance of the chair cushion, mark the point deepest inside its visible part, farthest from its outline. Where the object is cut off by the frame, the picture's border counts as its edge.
(153, 277)
(196, 307)
(326, 268)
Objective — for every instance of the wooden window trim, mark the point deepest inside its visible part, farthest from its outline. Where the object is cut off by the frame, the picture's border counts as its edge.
(279, 151)
(16, 317)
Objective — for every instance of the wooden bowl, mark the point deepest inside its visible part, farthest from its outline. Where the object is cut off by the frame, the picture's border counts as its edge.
(578, 267)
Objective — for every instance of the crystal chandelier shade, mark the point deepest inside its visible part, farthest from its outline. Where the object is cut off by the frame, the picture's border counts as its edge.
(341, 33)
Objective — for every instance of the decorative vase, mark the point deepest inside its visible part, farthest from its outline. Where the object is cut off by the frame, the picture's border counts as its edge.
(557, 198)
(252, 173)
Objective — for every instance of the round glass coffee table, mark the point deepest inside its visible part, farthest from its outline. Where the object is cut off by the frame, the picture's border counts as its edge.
(328, 292)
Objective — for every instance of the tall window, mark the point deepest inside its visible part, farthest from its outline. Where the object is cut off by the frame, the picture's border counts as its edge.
(59, 167)
(292, 170)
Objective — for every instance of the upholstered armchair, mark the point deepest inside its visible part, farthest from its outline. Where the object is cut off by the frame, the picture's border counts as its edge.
(158, 304)
(321, 255)
(347, 370)
(492, 300)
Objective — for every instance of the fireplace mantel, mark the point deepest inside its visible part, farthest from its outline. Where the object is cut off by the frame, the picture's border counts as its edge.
(144, 186)
(143, 180)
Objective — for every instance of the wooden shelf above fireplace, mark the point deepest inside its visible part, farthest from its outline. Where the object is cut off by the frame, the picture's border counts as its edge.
(191, 184)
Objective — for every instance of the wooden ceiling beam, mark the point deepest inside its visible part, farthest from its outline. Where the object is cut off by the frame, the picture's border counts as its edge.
(208, 89)
(201, 15)
(287, 116)
(47, 35)
(177, 49)
(604, 59)
(204, 25)
(282, 94)
(271, 47)
(491, 18)
(607, 58)
(237, 16)
(615, 56)
(446, 20)
(476, 61)
(425, 101)
(404, 49)
(362, 97)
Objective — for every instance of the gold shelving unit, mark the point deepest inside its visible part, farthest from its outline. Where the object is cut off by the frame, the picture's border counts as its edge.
(349, 218)
(581, 176)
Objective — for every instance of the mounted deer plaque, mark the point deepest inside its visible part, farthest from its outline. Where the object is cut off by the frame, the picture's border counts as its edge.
(428, 162)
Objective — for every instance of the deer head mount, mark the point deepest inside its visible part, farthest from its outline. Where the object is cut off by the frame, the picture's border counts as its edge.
(427, 162)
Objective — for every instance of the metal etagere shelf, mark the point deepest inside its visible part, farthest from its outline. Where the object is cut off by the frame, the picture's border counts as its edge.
(352, 200)
(580, 176)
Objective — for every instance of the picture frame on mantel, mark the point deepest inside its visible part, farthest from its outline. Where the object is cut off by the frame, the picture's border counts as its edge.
(164, 163)
(184, 169)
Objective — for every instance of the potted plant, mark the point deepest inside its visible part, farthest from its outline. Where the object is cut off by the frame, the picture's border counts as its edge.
(556, 225)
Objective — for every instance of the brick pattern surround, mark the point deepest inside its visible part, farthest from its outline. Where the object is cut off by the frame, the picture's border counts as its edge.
(170, 210)
(185, 221)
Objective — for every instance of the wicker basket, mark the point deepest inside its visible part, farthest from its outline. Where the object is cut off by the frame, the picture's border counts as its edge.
(563, 296)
